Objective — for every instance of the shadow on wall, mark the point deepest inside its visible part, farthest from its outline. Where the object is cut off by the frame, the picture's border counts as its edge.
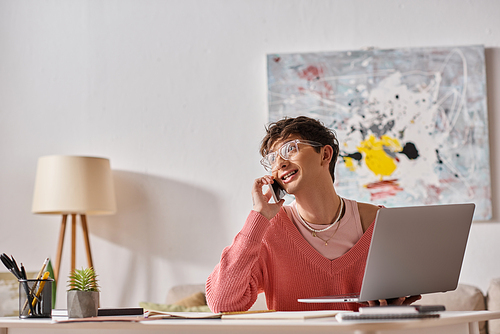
(161, 218)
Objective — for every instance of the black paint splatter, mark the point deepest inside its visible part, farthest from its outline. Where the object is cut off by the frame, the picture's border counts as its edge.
(410, 150)
(439, 161)
(356, 156)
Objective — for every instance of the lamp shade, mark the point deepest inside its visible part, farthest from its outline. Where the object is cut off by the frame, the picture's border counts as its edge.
(72, 184)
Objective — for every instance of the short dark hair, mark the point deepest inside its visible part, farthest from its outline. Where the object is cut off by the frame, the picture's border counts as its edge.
(305, 127)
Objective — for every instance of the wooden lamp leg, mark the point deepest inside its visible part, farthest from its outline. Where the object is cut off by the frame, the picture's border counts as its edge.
(86, 238)
(57, 264)
(73, 241)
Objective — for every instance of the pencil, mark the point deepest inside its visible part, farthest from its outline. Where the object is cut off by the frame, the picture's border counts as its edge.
(42, 285)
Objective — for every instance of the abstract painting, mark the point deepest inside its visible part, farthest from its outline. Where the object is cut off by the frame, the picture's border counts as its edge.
(412, 123)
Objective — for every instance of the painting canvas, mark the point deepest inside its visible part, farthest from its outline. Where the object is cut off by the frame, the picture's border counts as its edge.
(9, 295)
(412, 123)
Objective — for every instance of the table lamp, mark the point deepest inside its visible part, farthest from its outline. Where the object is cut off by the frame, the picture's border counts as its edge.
(73, 185)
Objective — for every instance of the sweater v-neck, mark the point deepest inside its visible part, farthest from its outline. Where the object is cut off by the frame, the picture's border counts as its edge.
(313, 256)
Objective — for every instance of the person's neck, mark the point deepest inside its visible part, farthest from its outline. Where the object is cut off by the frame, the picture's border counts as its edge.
(318, 205)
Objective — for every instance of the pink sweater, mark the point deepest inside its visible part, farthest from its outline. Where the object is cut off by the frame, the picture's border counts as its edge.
(273, 257)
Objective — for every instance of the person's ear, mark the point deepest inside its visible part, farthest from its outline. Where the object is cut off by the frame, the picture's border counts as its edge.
(327, 154)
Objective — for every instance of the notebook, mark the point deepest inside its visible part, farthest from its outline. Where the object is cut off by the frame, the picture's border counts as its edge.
(413, 251)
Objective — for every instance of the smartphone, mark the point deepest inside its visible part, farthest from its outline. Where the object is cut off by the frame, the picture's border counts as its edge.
(277, 191)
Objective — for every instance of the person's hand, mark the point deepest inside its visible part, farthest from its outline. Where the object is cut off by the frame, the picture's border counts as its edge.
(395, 301)
(261, 200)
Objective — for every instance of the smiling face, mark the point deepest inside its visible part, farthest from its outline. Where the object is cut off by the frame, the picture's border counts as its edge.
(303, 169)
(301, 127)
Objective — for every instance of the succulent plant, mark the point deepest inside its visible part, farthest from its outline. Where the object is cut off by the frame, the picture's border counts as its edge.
(84, 279)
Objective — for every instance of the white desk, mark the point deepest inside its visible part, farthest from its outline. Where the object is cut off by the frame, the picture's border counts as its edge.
(449, 322)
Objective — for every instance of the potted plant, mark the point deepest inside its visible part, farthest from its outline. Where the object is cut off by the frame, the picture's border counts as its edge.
(83, 293)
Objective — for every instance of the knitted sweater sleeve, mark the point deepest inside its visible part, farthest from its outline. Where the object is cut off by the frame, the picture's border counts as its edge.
(235, 282)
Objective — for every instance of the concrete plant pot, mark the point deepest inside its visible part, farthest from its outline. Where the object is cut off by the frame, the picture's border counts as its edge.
(82, 304)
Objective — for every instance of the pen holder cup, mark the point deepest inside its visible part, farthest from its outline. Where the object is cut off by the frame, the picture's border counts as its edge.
(35, 298)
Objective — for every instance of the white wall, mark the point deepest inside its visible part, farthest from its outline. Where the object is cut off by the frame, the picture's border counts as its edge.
(174, 93)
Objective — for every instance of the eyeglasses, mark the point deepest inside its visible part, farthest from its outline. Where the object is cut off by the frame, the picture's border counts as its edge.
(287, 151)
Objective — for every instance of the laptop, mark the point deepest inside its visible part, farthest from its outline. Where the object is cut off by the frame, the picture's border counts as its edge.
(413, 251)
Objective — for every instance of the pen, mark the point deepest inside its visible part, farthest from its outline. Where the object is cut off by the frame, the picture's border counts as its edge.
(23, 272)
(9, 265)
(247, 312)
(37, 277)
(16, 267)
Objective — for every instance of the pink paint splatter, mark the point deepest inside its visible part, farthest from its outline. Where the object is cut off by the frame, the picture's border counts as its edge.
(315, 73)
(311, 73)
(383, 189)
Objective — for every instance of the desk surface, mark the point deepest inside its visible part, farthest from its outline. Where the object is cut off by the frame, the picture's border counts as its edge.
(457, 322)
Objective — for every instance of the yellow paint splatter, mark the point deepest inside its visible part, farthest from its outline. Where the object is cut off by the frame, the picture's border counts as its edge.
(349, 163)
(376, 158)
